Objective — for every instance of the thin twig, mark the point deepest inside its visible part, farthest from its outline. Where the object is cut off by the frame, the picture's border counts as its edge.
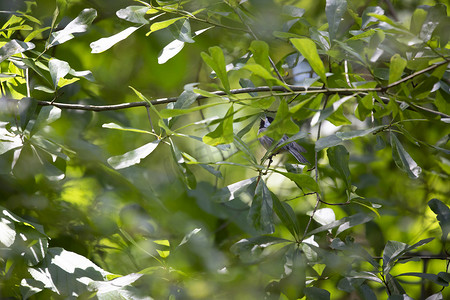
(316, 174)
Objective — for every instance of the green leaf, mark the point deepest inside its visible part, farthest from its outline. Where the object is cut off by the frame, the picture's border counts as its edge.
(104, 44)
(367, 19)
(344, 223)
(365, 106)
(132, 157)
(417, 20)
(181, 30)
(261, 209)
(188, 177)
(335, 104)
(262, 72)
(443, 215)
(153, 109)
(223, 134)
(260, 52)
(163, 24)
(334, 10)
(216, 60)
(435, 15)
(129, 129)
(302, 180)
(69, 267)
(242, 146)
(14, 47)
(117, 288)
(431, 277)
(308, 49)
(135, 14)
(255, 244)
(169, 113)
(47, 115)
(403, 160)
(174, 47)
(338, 157)
(287, 216)
(27, 108)
(58, 69)
(78, 25)
(235, 190)
(396, 68)
(339, 137)
(313, 293)
(282, 124)
(394, 250)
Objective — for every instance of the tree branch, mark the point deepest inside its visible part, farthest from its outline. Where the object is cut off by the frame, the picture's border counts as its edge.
(288, 89)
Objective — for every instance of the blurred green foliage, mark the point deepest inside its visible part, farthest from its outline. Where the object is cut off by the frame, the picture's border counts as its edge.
(130, 165)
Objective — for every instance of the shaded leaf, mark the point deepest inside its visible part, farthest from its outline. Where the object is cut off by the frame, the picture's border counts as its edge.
(261, 209)
(334, 10)
(287, 216)
(313, 293)
(338, 157)
(443, 215)
(302, 180)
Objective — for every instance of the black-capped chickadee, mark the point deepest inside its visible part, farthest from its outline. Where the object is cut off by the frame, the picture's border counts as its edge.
(294, 148)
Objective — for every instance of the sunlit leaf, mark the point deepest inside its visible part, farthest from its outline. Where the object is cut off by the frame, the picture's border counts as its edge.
(135, 14)
(397, 66)
(216, 60)
(78, 25)
(403, 160)
(344, 223)
(132, 157)
(163, 24)
(47, 115)
(58, 69)
(14, 47)
(309, 50)
(75, 272)
(394, 250)
(104, 44)
(223, 134)
(263, 73)
(260, 52)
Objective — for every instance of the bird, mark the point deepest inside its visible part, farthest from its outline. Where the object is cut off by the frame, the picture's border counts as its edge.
(293, 148)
